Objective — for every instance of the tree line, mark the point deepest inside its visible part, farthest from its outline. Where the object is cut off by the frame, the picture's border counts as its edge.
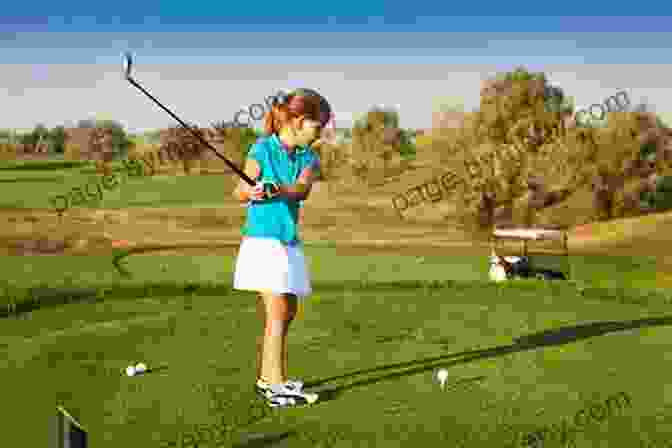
(56, 138)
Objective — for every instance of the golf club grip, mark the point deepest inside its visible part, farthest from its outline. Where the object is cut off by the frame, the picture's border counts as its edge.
(237, 170)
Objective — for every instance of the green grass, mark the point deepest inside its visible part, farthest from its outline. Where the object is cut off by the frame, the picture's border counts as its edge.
(32, 165)
(327, 265)
(158, 191)
(370, 353)
(34, 282)
(520, 356)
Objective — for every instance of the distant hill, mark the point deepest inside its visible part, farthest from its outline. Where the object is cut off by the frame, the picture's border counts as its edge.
(641, 235)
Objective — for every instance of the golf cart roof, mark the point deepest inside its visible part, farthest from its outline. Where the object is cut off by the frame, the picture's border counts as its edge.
(529, 234)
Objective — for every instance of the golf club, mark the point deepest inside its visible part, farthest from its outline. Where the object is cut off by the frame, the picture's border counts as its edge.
(271, 190)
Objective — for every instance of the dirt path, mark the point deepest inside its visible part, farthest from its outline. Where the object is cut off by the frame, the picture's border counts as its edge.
(355, 222)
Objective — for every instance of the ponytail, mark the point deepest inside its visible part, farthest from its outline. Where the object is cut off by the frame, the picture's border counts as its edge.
(269, 123)
(275, 119)
(299, 102)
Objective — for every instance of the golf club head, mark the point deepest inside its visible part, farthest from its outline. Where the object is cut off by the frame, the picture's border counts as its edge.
(127, 61)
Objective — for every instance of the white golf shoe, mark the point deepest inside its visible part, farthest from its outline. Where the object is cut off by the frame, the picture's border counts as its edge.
(289, 394)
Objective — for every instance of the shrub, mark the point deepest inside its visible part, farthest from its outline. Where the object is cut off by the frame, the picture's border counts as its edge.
(661, 199)
(407, 146)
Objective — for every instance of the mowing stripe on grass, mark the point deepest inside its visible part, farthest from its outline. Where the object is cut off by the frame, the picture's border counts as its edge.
(24, 300)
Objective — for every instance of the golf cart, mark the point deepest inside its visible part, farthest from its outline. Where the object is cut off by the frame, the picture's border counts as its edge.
(544, 262)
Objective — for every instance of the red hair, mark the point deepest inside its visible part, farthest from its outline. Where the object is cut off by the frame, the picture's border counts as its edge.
(301, 102)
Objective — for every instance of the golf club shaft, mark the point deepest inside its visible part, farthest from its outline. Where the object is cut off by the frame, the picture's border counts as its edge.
(237, 170)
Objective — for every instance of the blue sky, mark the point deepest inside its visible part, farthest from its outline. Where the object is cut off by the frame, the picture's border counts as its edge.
(498, 20)
(210, 66)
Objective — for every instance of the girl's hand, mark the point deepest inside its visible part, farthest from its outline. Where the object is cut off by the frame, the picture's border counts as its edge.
(263, 190)
(257, 193)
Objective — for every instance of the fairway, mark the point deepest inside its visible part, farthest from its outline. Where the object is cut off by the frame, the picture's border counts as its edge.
(520, 357)
(581, 363)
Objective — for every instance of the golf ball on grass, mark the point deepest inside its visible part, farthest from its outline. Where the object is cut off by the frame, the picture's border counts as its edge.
(442, 376)
(137, 369)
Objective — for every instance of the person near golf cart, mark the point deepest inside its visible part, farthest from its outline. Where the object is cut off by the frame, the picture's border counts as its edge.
(270, 259)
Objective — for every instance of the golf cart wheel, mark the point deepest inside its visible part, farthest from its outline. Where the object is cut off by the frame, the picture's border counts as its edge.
(550, 276)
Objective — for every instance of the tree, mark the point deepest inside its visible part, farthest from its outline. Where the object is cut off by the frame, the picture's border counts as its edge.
(377, 145)
(35, 137)
(407, 143)
(515, 155)
(9, 136)
(6, 136)
(379, 116)
(557, 101)
(522, 74)
(662, 198)
(120, 141)
(492, 150)
(516, 150)
(57, 138)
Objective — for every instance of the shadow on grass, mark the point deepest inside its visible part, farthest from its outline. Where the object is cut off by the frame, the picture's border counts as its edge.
(156, 369)
(38, 298)
(260, 440)
(124, 253)
(559, 336)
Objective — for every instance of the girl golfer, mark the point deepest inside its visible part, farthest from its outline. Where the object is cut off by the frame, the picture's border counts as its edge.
(270, 259)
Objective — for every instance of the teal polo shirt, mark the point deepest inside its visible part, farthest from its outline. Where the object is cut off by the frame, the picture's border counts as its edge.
(277, 218)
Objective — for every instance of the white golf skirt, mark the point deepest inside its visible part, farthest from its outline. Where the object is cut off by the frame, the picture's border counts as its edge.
(267, 265)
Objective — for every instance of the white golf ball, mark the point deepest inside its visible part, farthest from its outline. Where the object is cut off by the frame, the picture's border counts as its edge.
(140, 368)
(442, 375)
(130, 371)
